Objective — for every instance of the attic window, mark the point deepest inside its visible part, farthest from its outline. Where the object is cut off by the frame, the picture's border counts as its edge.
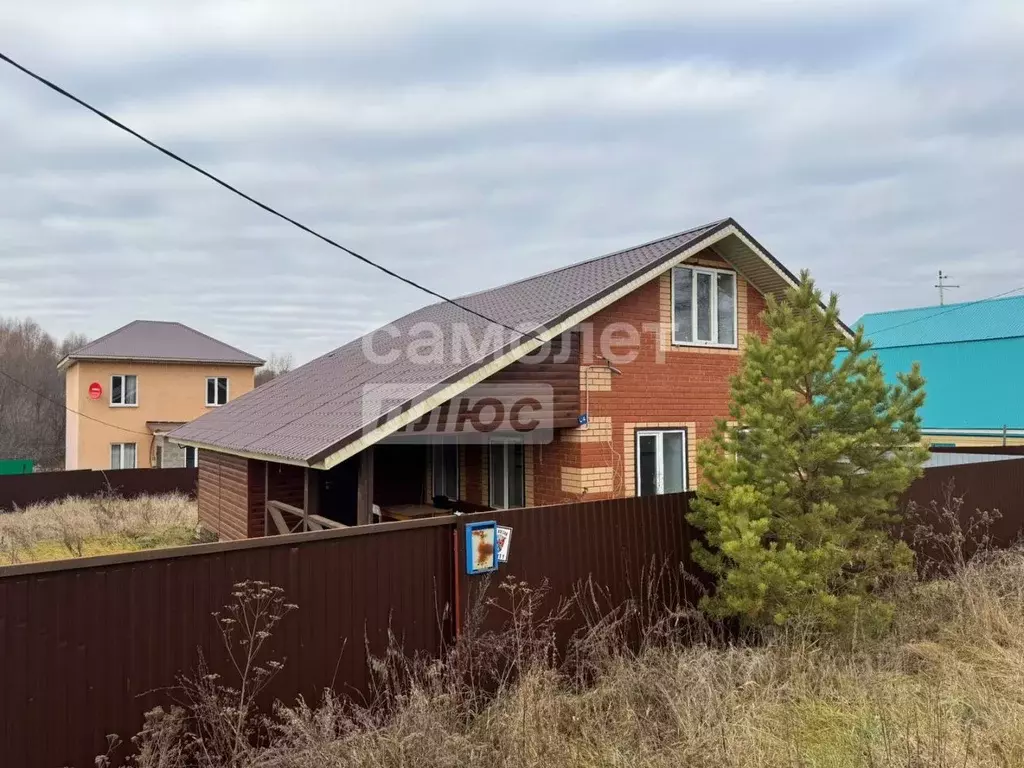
(703, 307)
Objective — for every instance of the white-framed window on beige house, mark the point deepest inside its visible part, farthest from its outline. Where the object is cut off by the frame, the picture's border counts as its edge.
(124, 390)
(660, 461)
(704, 307)
(507, 481)
(216, 391)
(444, 468)
(122, 455)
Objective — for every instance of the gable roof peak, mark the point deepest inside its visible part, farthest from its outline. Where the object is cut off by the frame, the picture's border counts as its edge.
(317, 415)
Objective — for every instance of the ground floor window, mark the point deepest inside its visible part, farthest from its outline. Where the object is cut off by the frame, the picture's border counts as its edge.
(190, 456)
(660, 461)
(507, 472)
(444, 467)
(122, 456)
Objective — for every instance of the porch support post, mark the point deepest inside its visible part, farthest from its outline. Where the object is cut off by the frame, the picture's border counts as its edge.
(364, 494)
(266, 498)
(311, 492)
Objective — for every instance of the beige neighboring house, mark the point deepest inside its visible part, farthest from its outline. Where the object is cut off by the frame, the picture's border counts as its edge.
(128, 389)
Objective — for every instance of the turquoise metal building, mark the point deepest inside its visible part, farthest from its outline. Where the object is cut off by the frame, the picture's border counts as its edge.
(972, 357)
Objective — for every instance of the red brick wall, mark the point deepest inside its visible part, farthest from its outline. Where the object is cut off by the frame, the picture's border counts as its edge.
(689, 386)
(674, 386)
(548, 461)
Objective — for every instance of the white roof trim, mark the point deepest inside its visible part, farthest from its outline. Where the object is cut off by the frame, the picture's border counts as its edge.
(528, 345)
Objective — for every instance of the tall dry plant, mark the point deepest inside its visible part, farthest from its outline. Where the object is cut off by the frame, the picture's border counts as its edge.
(946, 535)
(216, 723)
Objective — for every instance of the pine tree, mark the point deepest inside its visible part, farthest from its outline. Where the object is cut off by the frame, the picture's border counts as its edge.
(799, 488)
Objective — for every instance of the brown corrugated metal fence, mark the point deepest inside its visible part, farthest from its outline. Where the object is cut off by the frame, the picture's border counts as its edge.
(83, 644)
(83, 647)
(625, 549)
(987, 486)
(23, 490)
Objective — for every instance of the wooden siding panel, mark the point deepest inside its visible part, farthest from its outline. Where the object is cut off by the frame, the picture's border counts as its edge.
(257, 487)
(223, 494)
(287, 484)
(562, 376)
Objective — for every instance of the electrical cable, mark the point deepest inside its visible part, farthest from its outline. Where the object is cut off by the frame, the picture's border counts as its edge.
(249, 198)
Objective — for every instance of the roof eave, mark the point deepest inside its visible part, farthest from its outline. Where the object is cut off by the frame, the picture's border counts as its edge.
(238, 452)
(70, 359)
(402, 415)
(451, 387)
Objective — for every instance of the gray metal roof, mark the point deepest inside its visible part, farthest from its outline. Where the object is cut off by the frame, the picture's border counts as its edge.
(959, 459)
(308, 413)
(153, 340)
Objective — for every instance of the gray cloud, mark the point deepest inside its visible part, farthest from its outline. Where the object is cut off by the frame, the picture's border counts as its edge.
(468, 145)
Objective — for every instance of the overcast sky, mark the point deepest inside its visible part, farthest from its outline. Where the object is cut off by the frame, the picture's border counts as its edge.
(469, 143)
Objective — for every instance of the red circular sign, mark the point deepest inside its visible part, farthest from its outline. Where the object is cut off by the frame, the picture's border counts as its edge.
(95, 391)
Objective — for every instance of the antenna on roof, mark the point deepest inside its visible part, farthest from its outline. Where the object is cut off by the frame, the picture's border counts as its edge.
(942, 286)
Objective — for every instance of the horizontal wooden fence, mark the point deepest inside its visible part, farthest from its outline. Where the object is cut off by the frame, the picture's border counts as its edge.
(86, 645)
(19, 491)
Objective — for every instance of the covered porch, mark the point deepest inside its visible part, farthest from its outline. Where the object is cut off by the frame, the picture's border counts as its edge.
(420, 470)
(386, 482)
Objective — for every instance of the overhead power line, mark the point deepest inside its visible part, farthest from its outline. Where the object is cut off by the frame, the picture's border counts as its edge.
(309, 230)
(69, 409)
(269, 209)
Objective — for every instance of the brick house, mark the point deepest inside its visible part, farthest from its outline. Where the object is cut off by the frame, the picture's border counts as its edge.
(631, 354)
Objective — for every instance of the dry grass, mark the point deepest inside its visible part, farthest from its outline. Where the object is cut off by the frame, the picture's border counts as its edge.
(79, 527)
(944, 689)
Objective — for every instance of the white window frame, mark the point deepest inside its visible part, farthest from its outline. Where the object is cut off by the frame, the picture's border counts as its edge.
(120, 455)
(227, 391)
(122, 377)
(455, 495)
(714, 307)
(195, 454)
(660, 433)
(491, 480)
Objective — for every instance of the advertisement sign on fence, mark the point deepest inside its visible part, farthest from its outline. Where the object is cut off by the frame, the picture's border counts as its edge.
(504, 542)
(481, 547)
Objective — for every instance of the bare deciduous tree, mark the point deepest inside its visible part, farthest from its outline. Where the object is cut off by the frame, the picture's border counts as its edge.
(274, 367)
(32, 414)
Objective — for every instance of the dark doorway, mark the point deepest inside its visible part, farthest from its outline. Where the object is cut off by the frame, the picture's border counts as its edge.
(338, 491)
(399, 473)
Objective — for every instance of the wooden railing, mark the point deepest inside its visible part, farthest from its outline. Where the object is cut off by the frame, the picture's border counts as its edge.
(289, 519)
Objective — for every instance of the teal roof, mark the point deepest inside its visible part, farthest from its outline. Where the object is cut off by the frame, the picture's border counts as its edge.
(970, 321)
(971, 356)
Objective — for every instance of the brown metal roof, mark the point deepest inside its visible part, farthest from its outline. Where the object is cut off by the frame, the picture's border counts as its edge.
(153, 340)
(307, 414)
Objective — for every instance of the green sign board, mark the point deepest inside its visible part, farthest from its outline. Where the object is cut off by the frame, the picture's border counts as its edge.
(15, 466)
